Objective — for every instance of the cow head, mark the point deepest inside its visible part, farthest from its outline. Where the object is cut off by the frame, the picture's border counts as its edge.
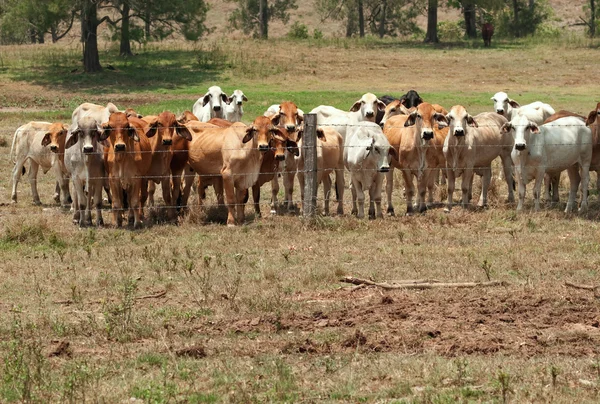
(167, 126)
(215, 97)
(187, 116)
(131, 112)
(55, 137)
(394, 108)
(411, 99)
(458, 119)
(237, 98)
(504, 105)
(523, 129)
(288, 116)
(123, 131)
(593, 115)
(368, 105)
(379, 149)
(424, 118)
(87, 133)
(262, 132)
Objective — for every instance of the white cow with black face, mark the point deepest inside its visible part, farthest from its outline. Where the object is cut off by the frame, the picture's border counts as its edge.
(367, 154)
(564, 144)
(211, 105)
(363, 110)
(234, 108)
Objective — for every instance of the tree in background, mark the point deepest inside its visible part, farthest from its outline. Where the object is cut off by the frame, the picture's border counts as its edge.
(590, 9)
(432, 36)
(393, 17)
(253, 16)
(29, 20)
(89, 35)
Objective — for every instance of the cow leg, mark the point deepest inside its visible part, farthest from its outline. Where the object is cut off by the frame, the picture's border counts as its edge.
(486, 178)
(375, 196)
(33, 170)
(16, 176)
(326, 192)
(98, 203)
(176, 190)
(288, 185)
(467, 181)
(143, 195)
(339, 188)
(218, 187)
(256, 199)
(422, 184)
(117, 202)
(537, 189)
(354, 210)
(508, 176)
(135, 203)
(78, 188)
(274, 193)
(547, 187)
(88, 205)
(56, 196)
(240, 205)
(554, 181)
(585, 181)
(151, 189)
(301, 182)
(170, 211)
(521, 189)
(389, 187)
(360, 198)
(410, 191)
(434, 178)
(65, 195)
(451, 181)
(574, 180)
(188, 181)
(229, 195)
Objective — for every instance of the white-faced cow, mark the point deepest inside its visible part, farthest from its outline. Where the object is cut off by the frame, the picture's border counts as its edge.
(234, 108)
(211, 105)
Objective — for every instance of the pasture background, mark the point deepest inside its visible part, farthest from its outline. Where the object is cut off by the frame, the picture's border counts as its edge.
(260, 305)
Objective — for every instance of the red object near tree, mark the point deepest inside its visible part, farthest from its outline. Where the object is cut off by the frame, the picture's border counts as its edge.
(487, 30)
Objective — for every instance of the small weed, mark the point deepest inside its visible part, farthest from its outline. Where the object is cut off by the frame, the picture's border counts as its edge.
(554, 372)
(462, 365)
(487, 269)
(504, 381)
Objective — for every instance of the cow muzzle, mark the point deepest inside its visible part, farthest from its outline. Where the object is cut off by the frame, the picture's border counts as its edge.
(89, 149)
(280, 157)
(369, 114)
(520, 146)
(500, 111)
(167, 142)
(217, 107)
(239, 103)
(120, 147)
(54, 148)
(290, 128)
(384, 169)
(263, 147)
(427, 135)
(459, 132)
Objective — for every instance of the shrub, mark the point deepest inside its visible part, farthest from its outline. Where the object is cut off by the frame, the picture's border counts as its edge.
(298, 31)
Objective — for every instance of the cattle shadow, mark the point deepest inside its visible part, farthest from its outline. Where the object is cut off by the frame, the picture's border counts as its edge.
(151, 70)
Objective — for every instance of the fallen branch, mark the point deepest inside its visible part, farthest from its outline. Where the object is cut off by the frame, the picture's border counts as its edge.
(421, 285)
(154, 296)
(584, 287)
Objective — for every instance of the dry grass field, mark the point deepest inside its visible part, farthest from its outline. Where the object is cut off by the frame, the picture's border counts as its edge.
(198, 312)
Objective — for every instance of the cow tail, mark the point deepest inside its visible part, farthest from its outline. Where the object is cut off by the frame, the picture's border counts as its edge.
(12, 151)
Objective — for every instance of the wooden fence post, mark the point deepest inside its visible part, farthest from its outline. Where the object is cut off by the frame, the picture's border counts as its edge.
(309, 149)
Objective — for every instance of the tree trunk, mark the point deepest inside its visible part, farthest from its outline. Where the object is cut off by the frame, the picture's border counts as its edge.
(125, 48)
(593, 18)
(32, 35)
(40, 37)
(516, 18)
(361, 19)
(382, 19)
(89, 29)
(470, 15)
(263, 16)
(431, 35)
(531, 6)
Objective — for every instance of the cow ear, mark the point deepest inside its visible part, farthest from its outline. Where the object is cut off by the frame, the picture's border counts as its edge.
(183, 131)
(46, 140)
(249, 134)
(321, 134)
(380, 105)
(292, 147)
(224, 97)
(244, 98)
(441, 119)
(513, 103)
(300, 133)
(206, 99)
(300, 116)
(534, 128)
(591, 117)
(420, 100)
(356, 106)
(412, 119)
(276, 118)
(229, 99)
(506, 128)
(471, 121)
(104, 131)
(73, 139)
(392, 152)
(65, 130)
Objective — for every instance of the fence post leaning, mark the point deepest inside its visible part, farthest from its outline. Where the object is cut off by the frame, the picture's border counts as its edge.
(309, 149)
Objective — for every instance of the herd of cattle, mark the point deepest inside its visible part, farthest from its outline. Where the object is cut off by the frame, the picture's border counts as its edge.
(126, 154)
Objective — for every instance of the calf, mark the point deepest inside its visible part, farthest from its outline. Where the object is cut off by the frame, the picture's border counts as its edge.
(128, 159)
(84, 160)
(487, 31)
(330, 158)
(234, 109)
(43, 144)
(470, 147)
(366, 155)
(551, 148)
(364, 109)
(211, 104)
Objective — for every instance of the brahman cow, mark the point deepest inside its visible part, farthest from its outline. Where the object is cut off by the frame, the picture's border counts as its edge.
(418, 141)
(234, 108)
(367, 156)
(364, 109)
(128, 159)
(330, 158)
(43, 144)
(470, 147)
(84, 159)
(564, 144)
(211, 104)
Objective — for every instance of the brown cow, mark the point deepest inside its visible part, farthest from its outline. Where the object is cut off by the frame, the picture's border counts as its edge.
(487, 31)
(330, 158)
(561, 114)
(593, 121)
(128, 159)
(416, 138)
(166, 127)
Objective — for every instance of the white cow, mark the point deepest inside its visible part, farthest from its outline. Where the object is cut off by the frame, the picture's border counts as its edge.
(564, 144)
(537, 112)
(42, 143)
(367, 155)
(365, 109)
(98, 112)
(210, 105)
(233, 109)
(470, 147)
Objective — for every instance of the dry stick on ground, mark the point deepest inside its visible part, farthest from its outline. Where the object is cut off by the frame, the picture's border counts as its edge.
(412, 285)
(154, 296)
(595, 289)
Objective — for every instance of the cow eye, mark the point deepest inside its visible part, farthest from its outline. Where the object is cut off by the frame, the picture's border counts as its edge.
(393, 110)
